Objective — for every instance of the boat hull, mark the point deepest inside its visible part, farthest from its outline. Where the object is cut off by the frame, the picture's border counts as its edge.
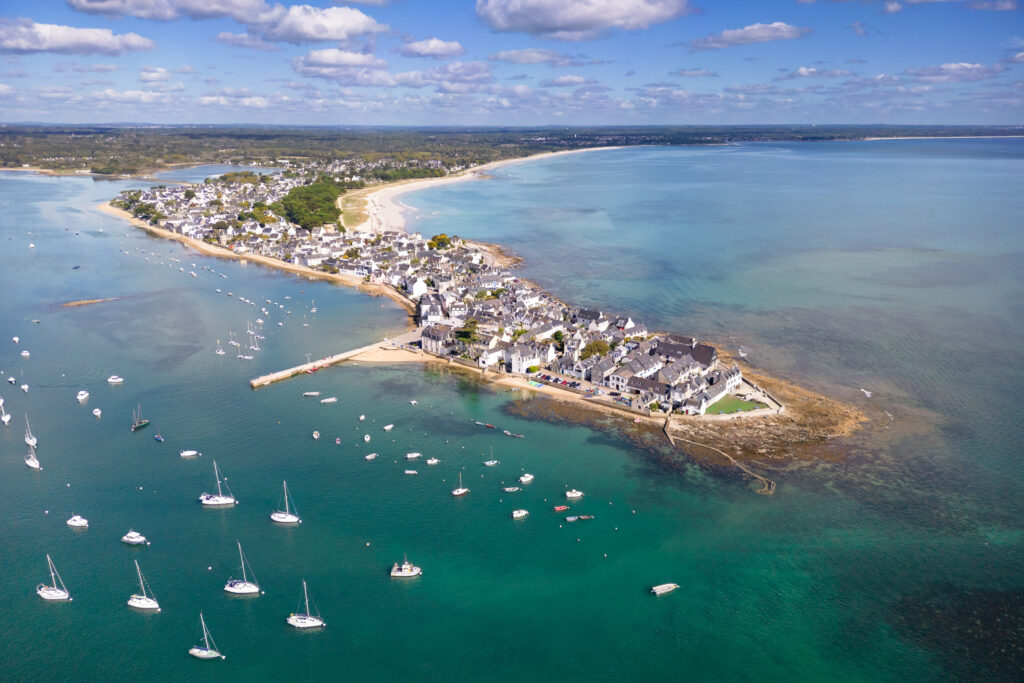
(143, 603)
(203, 653)
(52, 594)
(213, 501)
(285, 518)
(242, 588)
(305, 621)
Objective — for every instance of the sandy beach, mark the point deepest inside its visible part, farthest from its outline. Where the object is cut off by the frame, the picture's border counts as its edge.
(386, 212)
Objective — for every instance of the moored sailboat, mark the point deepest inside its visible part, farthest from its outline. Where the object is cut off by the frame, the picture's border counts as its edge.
(30, 439)
(219, 499)
(305, 619)
(461, 490)
(31, 460)
(208, 650)
(247, 585)
(55, 590)
(138, 422)
(145, 601)
(286, 516)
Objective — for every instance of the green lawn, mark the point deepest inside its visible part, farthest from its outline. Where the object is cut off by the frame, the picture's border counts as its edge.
(731, 404)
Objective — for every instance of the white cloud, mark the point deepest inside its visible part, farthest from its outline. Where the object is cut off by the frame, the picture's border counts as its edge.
(995, 6)
(154, 74)
(859, 28)
(86, 68)
(564, 81)
(184, 69)
(334, 57)
(755, 33)
(25, 35)
(693, 73)
(291, 24)
(5, 90)
(251, 102)
(959, 72)
(130, 96)
(433, 47)
(575, 19)
(1017, 58)
(812, 72)
(534, 55)
(892, 7)
(245, 40)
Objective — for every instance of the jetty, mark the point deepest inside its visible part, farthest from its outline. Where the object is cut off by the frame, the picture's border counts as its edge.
(313, 366)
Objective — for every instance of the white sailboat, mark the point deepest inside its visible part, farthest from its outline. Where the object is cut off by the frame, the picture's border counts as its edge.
(247, 585)
(31, 460)
(305, 619)
(461, 490)
(30, 439)
(286, 516)
(220, 349)
(5, 417)
(218, 499)
(208, 650)
(146, 601)
(53, 591)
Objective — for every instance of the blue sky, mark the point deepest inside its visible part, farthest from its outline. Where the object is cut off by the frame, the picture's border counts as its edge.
(513, 62)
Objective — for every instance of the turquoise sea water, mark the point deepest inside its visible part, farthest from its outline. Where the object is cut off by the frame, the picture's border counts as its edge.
(890, 266)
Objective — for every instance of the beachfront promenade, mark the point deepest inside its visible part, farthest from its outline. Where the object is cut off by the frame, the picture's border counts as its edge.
(397, 342)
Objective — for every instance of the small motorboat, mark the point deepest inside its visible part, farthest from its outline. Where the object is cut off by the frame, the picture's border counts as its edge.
(432, 461)
(388, 428)
(583, 517)
(371, 456)
(97, 412)
(490, 463)
(413, 456)
(158, 438)
(561, 508)
(316, 434)
(526, 478)
(509, 489)
(134, 538)
(114, 379)
(25, 354)
(413, 402)
(664, 588)
(573, 494)
(366, 438)
(362, 418)
(188, 453)
(520, 514)
(82, 396)
(331, 399)
(405, 570)
(571, 518)
(411, 472)
(310, 393)
(78, 522)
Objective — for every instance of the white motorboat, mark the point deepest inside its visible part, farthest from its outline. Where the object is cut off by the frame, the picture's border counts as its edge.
(413, 455)
(145, 602)
(31, 460)
(97, 412)
(490, 463)
(29, 438)
(663, 588)
(509, 489)
(366, 438)
(247, 585)
(208, 650)
(405, 570)
(24, 387)
(432, 461)
(82, 396)
(311, 393)
(25, 354)
(371, 456)
(15, 339)
(78, 522)
(460, 490)
(362, 418)
(411, 472)
(55, 590)
(413, 402)
(286, 516)
(219, 499)
(573, 494)
(526, 478)
(11, 380)
(134, 538)
(188, 453)
(316, 434)
(305, 619)
(114, 379)
(520, 514)
(388, 428)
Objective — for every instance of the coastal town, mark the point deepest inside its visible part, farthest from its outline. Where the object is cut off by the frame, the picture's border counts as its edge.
(470, 306)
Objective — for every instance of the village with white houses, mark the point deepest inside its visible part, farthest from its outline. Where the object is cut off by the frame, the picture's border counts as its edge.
(469, 308)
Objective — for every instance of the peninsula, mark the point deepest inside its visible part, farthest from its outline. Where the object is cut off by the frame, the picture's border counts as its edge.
(470, 310)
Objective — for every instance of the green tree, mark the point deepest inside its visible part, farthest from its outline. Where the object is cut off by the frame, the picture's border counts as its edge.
(595, 348)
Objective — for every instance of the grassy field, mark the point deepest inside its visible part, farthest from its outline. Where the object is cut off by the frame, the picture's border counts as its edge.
(731, 404)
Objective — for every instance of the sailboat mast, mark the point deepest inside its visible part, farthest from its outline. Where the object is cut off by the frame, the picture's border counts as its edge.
(142, 585)
(287, 511)
(305, 592)
(53, 579)
(241, 558)
(217, 475)
(206, 634)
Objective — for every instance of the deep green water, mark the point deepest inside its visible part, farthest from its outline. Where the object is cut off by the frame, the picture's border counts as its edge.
(836, 577)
